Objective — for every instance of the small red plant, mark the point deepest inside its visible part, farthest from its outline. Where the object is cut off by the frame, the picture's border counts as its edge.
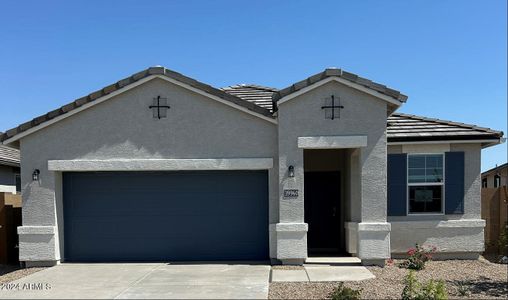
(389, 262)
(418, 256)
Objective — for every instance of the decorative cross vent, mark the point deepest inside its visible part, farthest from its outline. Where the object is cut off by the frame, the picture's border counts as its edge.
(332, 109)
(160, 107)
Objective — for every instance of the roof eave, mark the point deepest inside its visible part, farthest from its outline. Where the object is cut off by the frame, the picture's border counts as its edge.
(485, 140)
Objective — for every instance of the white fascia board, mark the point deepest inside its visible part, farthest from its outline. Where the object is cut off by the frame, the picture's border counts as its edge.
(344, 82)
(488, 143)
(160, 164)
(332, 142)
(124, 89)
(198, 91)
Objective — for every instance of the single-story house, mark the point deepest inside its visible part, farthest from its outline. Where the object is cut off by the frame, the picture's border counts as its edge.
(161, 167)
(10, 178)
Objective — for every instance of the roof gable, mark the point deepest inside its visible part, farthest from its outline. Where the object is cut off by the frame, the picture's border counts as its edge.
(125, 84)
(349, 79)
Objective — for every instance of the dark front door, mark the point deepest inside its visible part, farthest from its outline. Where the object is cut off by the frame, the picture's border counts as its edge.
(322, 212)
(159, 216)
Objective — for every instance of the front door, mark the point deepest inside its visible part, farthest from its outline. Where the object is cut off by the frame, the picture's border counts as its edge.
(322, 212)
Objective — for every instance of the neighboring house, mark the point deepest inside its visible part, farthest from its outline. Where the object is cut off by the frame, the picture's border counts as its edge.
(159, 166)
(495, 177)
(10, 181)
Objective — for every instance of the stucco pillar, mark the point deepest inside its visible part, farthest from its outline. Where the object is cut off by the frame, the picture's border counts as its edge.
(291, 231)
(38, 237)
(373, 232)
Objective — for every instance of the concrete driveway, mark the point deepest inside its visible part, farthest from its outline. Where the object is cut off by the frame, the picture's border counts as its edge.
(144, 280)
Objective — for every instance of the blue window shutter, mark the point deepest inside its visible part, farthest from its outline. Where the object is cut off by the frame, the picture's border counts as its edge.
(454, 182)
(397, 184)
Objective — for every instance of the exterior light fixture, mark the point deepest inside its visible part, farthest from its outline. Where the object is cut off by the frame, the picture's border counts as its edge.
(35, 175)
(291, 171)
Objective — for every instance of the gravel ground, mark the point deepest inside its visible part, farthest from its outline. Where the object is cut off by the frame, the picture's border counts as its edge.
(10, 273)
(480, 279)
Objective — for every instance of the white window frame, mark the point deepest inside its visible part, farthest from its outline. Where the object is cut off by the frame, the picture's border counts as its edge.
(442, 184)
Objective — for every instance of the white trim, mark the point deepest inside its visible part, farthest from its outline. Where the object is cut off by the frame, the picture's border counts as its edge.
(493, 141)
(160, 164)
(432, 224)
(409, 184)
(36, 230)
(346, 83)
(332, 142)
(374, 226)
(7, 188)
(124, 89)
(291, 227)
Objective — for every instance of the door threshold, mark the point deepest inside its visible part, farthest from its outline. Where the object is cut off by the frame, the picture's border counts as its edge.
(334, 260)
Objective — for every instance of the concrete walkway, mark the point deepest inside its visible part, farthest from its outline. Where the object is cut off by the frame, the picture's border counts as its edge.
(147, 281)
(319, 269)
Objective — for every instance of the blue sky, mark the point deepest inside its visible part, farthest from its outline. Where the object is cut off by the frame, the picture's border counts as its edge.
(450, 57)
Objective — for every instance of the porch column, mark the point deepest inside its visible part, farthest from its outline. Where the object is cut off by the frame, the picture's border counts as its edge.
(373, 232)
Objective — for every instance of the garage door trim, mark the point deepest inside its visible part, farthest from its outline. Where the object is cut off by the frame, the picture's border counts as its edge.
(160, 164)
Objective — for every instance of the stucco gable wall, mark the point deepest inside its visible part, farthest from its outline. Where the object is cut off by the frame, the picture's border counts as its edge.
(362, 115)
(124, 128)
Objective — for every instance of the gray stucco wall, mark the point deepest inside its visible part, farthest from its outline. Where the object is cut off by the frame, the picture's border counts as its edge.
(450, 233)
(362, 115)
(303, 116)
(123, 127)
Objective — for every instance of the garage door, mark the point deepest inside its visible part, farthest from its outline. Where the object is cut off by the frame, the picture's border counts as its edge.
(159, 216)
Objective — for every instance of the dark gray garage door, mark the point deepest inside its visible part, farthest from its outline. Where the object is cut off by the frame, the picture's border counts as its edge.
(157, 216)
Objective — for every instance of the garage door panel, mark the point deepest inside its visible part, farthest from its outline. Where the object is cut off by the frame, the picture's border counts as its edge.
(166, 215)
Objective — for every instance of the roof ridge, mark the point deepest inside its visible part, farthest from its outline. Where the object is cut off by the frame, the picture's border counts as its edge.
(242, 85)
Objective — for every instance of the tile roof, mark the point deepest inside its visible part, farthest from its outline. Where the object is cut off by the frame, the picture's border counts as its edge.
(257, 94)
(260, 99)
(157, 70)
(404, 127)
(9, 156)
(331, 72)
(400, 127)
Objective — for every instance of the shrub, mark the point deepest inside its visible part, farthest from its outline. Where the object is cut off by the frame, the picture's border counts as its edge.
(414, 290)
(418, 256)
(344, 293)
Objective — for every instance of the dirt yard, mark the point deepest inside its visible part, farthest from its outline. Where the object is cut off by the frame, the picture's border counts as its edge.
(10, 273)
(464, 279)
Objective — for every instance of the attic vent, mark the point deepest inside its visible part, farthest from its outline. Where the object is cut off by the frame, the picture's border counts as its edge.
(159, 107)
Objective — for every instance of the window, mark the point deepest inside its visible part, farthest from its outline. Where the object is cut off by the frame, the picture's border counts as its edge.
(18, 182)
(497, 181)
(425, 183)
(484, 182)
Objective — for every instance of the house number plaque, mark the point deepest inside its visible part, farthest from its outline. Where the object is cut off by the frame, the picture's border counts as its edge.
(290, 193)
